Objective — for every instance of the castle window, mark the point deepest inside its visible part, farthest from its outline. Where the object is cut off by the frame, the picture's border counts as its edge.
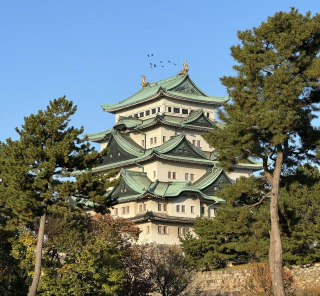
(186, 176)
(184, 111)
(165, 229)
(155, 140)
(178, 208)
(123, 210)
(142, 143)
(202, 211)
(159, 207)
(140, 208)
(116, 212)
(154, 174)
(176, 110)
(208, 114)
(169, 175)
(174, 175)
(144, 207)
(153, 111)
(198, 143)
(169, 109)
(183, 209)
(159, 229)
(164, 139)
(151, 141)
(191, 177)
(194, 142)
(164, 207)
(147, 112)
(192, 209)
(141, 114)
(182, 231)
(127, 209)
(136, 115)
(158, 109)
(147, 229)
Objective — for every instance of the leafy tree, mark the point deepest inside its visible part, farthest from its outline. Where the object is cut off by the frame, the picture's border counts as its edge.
(83, 254)
(12, 276)
(168, 269)
(274, 96)
(35, 167)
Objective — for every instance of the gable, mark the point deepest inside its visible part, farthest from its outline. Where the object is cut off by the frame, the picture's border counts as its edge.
(116, 153)
(184, 149)
(123, 190)
(201, 121)
(187, 87)
(217, 185)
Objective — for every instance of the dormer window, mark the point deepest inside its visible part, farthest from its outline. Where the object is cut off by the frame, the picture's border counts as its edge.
(176, 110)
(136, 115)
(169, 109)
(184, 111)
(141, 114)
(147, 112)
(154, 110)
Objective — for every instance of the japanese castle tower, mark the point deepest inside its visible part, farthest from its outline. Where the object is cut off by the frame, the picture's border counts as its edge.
(169, 172)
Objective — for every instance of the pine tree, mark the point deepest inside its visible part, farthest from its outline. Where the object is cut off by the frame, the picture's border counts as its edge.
(35, 170)
(274, 96)
(238, 234)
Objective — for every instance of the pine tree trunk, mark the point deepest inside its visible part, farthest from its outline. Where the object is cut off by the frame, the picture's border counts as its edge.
(275, 250)
(37, 267)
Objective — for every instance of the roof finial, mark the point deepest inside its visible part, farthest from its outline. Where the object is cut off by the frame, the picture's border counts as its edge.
(143, 81)
(185, 68)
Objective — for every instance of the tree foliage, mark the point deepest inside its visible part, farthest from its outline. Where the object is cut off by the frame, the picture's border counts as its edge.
(83, 254)
(274, 96)
(240, 232)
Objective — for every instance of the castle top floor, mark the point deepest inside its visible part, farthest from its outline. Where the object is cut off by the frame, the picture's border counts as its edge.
(177, 96)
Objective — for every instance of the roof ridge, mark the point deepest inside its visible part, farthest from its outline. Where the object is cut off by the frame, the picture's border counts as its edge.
(172, 142)
(167, 79)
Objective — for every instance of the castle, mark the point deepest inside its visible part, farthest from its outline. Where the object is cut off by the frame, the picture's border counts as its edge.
(169, 172)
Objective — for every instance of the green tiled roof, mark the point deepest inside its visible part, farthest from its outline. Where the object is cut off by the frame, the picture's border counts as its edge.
(172, 86)
(98, 136)
(131, 122)
(208, 178)
(139, 182)
(125, 142)
(162, 151)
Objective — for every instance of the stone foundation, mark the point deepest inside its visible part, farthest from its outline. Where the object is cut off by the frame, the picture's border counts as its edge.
(229, 282)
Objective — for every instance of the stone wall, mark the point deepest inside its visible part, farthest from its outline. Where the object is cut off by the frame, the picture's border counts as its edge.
(229, 282)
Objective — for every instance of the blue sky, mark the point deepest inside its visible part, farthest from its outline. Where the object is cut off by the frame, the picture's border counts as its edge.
(95, 52)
